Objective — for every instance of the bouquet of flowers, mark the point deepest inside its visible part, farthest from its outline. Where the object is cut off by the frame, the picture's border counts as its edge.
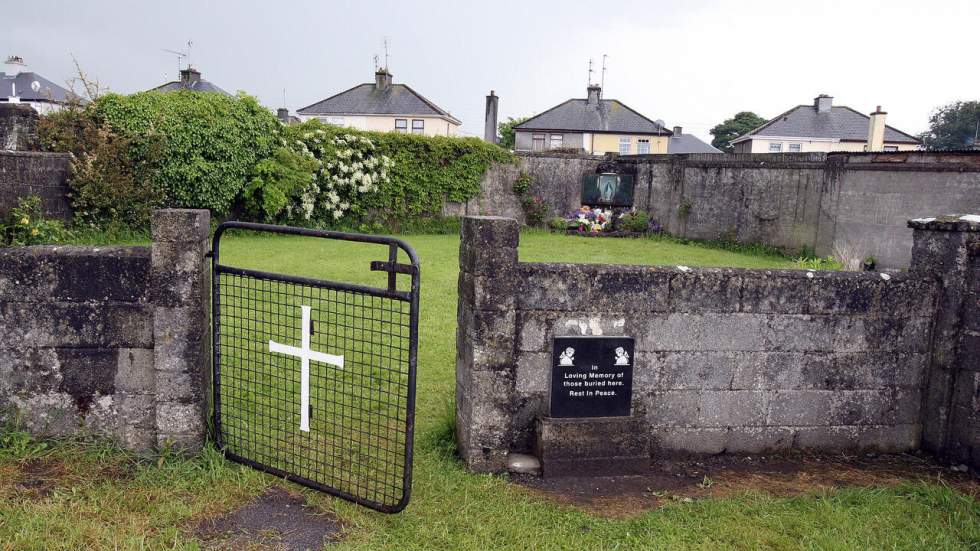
(590, 220)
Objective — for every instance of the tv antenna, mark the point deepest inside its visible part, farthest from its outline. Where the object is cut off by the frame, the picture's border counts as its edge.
(376, 63)
(386, 53)
(590, 71)
(182, 55)
(603, 85)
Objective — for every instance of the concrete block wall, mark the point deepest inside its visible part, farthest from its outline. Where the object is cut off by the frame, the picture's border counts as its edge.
(727, 360)
(24, 173)
(110, 340)
(851, 205)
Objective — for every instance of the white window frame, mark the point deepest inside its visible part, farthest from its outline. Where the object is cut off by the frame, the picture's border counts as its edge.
(542, 138)
(625, 141)
(775, 147)
(889, 148)
(795, 148)
(555, 141)
(418, 128)
(404, 126)
(642, 145)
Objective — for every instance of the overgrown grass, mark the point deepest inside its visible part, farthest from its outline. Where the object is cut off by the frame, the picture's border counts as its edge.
(105, 498)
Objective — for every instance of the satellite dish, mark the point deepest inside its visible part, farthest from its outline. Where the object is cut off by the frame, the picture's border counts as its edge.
(35, 86)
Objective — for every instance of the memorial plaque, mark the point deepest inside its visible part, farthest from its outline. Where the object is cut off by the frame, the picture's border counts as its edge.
(591, 376)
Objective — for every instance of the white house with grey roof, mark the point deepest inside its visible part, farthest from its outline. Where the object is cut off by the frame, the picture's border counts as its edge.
(383, 106)
(825, 127)
(18, 85)
(593, 125)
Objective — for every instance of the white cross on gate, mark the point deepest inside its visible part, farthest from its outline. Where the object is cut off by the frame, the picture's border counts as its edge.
(305, 355)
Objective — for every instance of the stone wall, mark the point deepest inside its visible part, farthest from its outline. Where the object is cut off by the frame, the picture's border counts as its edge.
(18, 127)
(726, 360)
(111, 340)
(24, 173)
(851, 205)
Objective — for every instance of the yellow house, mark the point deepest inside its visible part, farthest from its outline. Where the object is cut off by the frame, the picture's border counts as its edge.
(593, 125)
(385, 107)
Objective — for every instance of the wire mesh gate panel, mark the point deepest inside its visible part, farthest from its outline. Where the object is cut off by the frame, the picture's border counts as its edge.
(314, 380)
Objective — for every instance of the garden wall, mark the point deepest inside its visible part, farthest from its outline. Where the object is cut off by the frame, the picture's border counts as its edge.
(24, 173)
(851, 205)
(726, 360)
(111, 340)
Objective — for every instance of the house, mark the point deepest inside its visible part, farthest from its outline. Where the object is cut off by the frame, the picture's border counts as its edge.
(18, 85)
(824, 126)
(385, 107)
(688, 143)
(594, 125)
(190, 79)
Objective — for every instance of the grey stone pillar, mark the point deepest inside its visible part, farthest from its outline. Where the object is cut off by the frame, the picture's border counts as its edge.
(181, 295)
(948, 249)
(485, 363)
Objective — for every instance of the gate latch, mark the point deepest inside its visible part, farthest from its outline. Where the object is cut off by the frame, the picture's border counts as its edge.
(393, 267)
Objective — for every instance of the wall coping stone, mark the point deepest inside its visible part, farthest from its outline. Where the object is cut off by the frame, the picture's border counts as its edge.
(950, 222)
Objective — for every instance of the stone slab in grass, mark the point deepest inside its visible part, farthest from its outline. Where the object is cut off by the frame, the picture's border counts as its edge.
(277, 519)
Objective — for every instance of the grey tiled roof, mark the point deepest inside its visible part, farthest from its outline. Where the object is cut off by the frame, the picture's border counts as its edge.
(366, 99)
(195, 86)
(844, 123)
(689, 143)
(607, 115)
(47, 90)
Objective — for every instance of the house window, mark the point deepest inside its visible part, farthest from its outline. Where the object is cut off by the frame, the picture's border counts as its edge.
(337, 121)
(418, 126)
(556, 140)
(401, 125)
(795, 147)
(890, 148)
(537, 142)
(624, 146)
(643, 147)
(775, 148)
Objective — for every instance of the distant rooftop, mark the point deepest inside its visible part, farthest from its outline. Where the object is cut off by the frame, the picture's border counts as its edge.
(381, 97)
(190, 79)
(824, 120)
(593, 114)
(17, 81)
(688, 143)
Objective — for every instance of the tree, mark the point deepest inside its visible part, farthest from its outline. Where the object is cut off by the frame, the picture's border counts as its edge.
(507, 138)
(742, 123)
(953, 126)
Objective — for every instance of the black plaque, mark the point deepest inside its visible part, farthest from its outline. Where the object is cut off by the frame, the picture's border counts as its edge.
(591, 376)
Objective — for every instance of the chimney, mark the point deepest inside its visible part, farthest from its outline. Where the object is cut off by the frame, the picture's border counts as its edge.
(490, 118)
(283, 115)
(382, 79)
(189, 77)
(876, 131)
(595, 94)
(14, 65)
(823, 103)
(677, 130)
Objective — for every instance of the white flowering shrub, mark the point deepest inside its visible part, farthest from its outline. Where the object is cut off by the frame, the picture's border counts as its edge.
(347, 168)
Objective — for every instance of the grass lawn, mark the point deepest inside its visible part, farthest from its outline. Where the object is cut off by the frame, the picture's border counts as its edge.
(75, 494)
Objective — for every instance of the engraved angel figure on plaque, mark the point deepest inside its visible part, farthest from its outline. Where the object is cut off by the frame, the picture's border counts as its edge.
(567, 357)
(622, 356)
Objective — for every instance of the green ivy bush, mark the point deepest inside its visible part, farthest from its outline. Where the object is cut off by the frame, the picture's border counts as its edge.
(212, 142)
(384, 177)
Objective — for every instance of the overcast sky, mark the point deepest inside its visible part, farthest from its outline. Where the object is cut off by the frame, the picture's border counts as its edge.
(691, 63)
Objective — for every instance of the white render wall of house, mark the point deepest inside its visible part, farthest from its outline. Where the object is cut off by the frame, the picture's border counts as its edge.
(434, 126)
(816, 145)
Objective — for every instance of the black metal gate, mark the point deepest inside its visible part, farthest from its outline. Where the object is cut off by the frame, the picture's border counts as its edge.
(314, 380)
